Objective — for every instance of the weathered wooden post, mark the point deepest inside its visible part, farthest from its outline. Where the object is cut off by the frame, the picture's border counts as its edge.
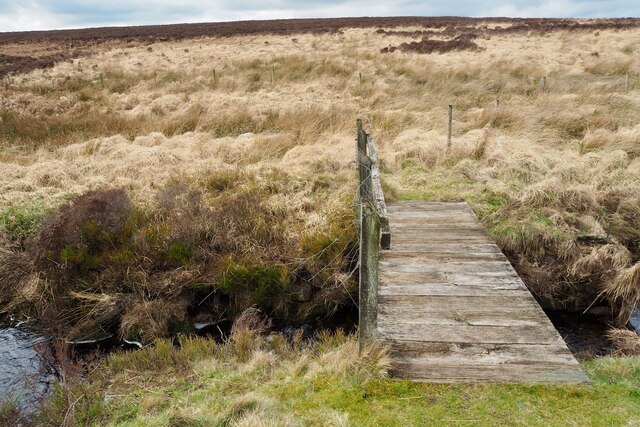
(215, 77)
(450, 125)
(626, 83)
(273, 76)
(360, 74)
(543, 84)
(362, 159)
(368, 286)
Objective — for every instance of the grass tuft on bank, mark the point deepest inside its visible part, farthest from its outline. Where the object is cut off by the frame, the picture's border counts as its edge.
(253, 380)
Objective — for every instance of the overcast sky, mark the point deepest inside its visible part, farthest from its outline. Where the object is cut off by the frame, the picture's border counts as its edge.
(17, 15)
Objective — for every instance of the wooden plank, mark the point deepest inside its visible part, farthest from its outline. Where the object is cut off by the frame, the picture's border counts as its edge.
(479, 354)
(454, 303)
(451, 289)
(445, 247)
(438, 257)
(378, 195)
(430, 214)
(420, 238)
(410, 227)
(504, 277)
(462, 318)
(424, 266)
(466, 334)
(428, 206)
(447, 235)
(396, 313)
(490, 373)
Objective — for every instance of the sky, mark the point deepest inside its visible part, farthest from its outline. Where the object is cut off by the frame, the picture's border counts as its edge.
(20, 15)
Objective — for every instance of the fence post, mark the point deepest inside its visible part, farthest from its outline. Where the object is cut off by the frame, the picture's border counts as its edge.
(360, 74)
(215, 77)
(543, 84)
(626, 83)
(273, 76)
(363, 172)
(368, 286)
(450, 125)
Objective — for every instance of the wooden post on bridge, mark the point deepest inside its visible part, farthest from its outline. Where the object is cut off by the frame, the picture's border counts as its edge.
(368, 286)
(362, 160)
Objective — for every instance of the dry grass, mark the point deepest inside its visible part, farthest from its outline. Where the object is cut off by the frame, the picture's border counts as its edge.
(625, 342)
(236, 376)
(552, 173)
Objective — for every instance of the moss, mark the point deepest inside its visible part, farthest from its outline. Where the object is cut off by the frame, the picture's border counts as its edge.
(222, 181)
(79, 259)
(181, 253)
(488, 202)
(19, 222)
(529, 232)
(259, 284)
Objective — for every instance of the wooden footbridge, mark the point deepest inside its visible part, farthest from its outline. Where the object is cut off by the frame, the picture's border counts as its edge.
(444, 298)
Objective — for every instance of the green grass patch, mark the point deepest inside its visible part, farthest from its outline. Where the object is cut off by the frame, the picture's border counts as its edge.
(19, 222)
(275, 382)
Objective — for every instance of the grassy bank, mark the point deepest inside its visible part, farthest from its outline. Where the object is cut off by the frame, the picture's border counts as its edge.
(272, 381)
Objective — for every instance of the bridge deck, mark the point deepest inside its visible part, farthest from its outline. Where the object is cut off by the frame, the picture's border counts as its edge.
(453, 309)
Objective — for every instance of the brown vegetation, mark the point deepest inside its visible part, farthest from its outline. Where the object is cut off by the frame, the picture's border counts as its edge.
(625, 342)
(154, 194)
(430, 46)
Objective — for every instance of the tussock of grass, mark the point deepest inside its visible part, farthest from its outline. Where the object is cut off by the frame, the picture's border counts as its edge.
(19, 222)
(625, 342)
(111, 266)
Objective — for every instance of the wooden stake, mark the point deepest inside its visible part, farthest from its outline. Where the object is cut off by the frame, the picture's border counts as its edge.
(626, 83)
(360, 77)
(450, 125)
(368, 286)
(543, 84)
(273, 76)
(215, 77)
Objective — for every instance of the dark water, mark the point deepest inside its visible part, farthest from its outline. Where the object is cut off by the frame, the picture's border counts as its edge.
(25, 376)
(584, 334)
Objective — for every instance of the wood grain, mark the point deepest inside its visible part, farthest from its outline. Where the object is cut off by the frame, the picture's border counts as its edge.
(452, 308)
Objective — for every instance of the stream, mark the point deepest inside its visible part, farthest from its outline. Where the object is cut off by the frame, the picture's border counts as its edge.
(25, 377)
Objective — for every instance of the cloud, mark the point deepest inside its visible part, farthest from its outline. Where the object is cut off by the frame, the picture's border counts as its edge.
(50, 14)
(28, 16)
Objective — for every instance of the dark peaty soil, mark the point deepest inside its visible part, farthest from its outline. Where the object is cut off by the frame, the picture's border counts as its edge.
(25, 51)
